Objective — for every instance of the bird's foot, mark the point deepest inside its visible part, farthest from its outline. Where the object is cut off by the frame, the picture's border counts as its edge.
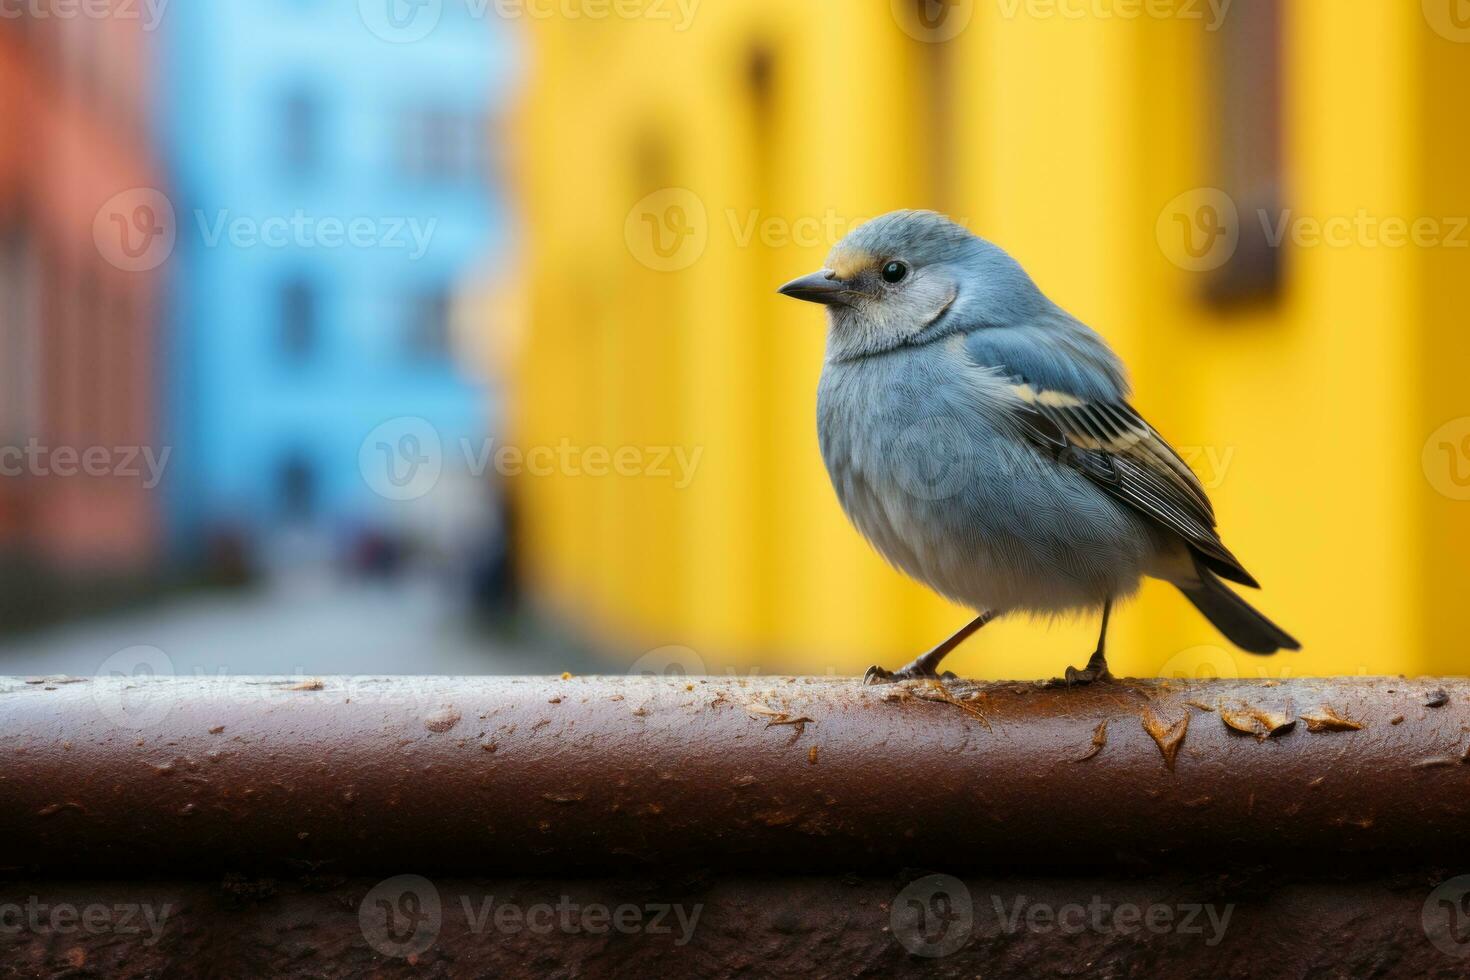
(1096, 670)
(912, 672)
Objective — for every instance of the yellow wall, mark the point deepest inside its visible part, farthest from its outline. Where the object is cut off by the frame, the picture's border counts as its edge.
(1062, 139)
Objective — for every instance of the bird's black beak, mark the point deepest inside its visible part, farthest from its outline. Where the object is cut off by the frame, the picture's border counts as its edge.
(820, 287)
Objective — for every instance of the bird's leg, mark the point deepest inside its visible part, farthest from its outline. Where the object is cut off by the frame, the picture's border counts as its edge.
(927, 665)
(1097, 664)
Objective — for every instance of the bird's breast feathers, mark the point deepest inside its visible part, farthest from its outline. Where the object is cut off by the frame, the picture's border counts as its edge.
(926, 457)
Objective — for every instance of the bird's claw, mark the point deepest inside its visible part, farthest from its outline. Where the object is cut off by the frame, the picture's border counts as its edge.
(1078, 678)
(877, 675)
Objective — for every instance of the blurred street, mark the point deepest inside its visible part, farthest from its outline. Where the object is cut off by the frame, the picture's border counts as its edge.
(309, 625)
(236, 251)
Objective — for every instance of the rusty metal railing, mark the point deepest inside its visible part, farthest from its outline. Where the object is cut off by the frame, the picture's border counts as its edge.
(761, 826)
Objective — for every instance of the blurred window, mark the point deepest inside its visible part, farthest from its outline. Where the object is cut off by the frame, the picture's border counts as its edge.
(125, 370)
(296, 482)
(298, 311)
(443, 146)
(17, 335)
(90, 339)
(429, 324)
(301, 125)
(1248, 155)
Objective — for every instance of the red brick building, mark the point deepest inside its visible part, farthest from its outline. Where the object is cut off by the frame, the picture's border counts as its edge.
(78, 310)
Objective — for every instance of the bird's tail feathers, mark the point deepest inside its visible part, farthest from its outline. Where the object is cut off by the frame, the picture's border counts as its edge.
(1236, 618)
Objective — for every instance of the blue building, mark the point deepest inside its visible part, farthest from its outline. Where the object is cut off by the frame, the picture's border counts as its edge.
(331, 178)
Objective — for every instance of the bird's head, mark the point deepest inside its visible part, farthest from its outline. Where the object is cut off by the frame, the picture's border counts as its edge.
(911, 276)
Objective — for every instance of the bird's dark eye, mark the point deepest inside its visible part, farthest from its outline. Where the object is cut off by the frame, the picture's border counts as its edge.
(894, 272)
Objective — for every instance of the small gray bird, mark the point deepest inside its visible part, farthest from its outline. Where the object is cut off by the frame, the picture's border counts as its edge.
(981, 439)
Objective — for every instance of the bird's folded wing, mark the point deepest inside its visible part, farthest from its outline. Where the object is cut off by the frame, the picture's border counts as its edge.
(1114, 447)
